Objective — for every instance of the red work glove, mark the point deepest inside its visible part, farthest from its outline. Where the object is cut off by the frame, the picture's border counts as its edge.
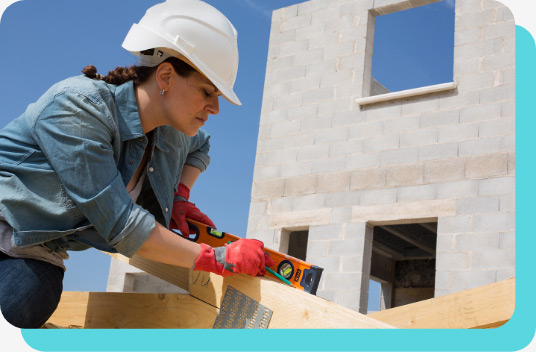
(245, 256)
(183, 209)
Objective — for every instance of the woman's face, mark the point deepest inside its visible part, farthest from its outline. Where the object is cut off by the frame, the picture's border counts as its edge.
(189, 101)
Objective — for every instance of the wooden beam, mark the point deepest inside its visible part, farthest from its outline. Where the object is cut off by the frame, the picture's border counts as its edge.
(292, 308)
(487, 306)
(117, 310)
(175, 275)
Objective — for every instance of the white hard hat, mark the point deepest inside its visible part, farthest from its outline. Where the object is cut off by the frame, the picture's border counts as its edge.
(195, 30)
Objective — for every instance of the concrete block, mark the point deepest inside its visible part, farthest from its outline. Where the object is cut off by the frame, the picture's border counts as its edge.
(443, 170)
(511, 163)
(278, 205)
(507, 240)
(468, 206)
(505, 274)
(304, 84)
(497, 186)
(475, 81)
(365, 130)
(458, 132)
(341, 215)
(350, 299)
(362, 161)
(357, 7)
(399, 156)
(312, 31)
(335, 106)
(292, 48)
(467, 279)
(278, 63)
(268, 172)
(297, 141)
(289, 12)
(339, 51)
(281, 157)
(263, 189)
(378, 196)
(377, 144)
(419, 138)
(453, 224)
(508, 109)
(343, 281)
(501, 222)
(452, 261)
(501, 29)
(507, 202)
(416, 193)
(313, 152)
(300, 219)
(269, 117)
(442, 118)
(327, 232)
(401, 125)
(496, 259)
(467, 67)
(443, 280)
(368, 178)
(354, 146)
(290, 73)
(280, 37)
(474, 19)
(333, 182)
(298, 186)
(404, 175)
(383, 112)
(337, 78)
(267, 145)
(458, 100)
(316, 249)
(283, 102)
(457, 189)
(320, 69)
(297, 169)
(499, 127)
(333, 164)
(329, 264)
(308, 202)
(480, 146)
(295, 23)
(486, 242)
(498, 94)
(340, 248)
(438, 151)
(446, 243)
(504, 14)
(343, 199)
(311, 56)
(394, 213)
(508, 143)
(486, 165)
(316, 96)
(466, 36)
(417, 106)
(479, 49)
(330, 14)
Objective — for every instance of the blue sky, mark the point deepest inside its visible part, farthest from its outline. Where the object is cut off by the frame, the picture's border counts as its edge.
(41, 50)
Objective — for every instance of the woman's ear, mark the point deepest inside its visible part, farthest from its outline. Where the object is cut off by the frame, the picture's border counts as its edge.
(163, 75)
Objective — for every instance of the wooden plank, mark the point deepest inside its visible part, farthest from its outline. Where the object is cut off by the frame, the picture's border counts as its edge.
(116, 310)
(175, 275)
(292, 308)
(481, 307)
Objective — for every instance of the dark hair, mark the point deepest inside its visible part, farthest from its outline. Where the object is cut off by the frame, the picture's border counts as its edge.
(138, 74)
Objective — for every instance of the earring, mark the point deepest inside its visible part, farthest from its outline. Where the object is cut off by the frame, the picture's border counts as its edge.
(162, 91)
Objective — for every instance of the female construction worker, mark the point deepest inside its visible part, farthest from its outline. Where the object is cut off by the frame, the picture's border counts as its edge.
(108, 162)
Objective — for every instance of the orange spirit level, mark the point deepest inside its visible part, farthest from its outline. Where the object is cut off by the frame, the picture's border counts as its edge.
(300, 274)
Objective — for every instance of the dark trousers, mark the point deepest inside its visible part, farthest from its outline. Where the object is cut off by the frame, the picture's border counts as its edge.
(30, 290)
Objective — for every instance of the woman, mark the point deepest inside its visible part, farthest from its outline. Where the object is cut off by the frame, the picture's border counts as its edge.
(108, 162)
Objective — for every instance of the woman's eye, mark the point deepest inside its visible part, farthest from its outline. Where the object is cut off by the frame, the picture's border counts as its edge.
(207, 93)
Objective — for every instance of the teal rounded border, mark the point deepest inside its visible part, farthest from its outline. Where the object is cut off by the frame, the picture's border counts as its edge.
(514, 335)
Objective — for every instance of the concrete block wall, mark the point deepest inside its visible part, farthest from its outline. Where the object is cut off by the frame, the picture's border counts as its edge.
(327, 165)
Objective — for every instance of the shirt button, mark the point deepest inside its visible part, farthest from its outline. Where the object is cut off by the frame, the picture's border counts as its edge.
(131, 162)
(166, 210)
(151, 169)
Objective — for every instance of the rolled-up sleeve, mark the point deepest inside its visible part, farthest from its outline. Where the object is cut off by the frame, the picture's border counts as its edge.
(75, 133)
(198, 152)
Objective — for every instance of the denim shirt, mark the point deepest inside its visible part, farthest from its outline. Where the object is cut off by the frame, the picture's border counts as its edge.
(66, 161)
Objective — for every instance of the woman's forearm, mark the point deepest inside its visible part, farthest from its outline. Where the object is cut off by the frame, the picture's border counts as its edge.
(189, 175)
(166, 247)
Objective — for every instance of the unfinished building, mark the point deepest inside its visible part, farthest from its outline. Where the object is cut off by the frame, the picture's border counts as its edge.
(412, 189)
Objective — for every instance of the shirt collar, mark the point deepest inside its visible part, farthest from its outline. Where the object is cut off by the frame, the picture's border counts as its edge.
(129, 116)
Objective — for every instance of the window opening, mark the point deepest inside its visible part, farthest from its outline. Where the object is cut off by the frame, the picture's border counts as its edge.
(403, 263)
(413, 48)
(297, 244)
